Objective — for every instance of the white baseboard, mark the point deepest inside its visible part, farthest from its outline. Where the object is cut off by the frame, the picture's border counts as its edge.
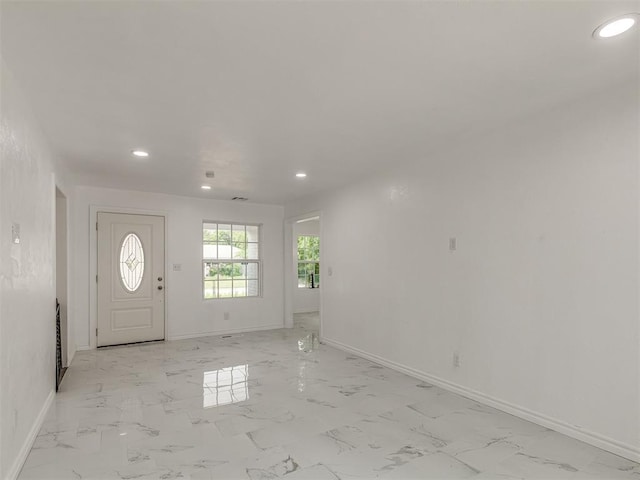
(14, 471)
(216, 333)
(312, 310)
(81, 348)
(574, 431)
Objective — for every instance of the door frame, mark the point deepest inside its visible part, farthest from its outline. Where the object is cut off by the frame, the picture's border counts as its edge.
(93, 264)
(291, 267)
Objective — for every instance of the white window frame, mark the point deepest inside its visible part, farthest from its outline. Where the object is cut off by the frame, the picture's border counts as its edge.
(257, 261)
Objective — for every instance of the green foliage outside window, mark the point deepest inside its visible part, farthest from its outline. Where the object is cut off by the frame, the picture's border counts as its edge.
(308, 261)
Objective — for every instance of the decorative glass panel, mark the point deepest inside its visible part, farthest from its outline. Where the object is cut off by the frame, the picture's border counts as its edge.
(131, 262)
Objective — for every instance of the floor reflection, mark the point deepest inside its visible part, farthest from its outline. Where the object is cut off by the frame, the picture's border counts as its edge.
(225, 386)
(308, 343)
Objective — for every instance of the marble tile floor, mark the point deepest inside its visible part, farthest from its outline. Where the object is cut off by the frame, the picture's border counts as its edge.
(274, 404)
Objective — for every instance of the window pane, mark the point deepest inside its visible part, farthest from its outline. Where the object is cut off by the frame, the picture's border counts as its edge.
(239, 288)
(225, 270)
(302, 281)
(239, 250)
(210, 290)
(252, 271)
(211, 270)
(210, 232)
(224, 251)
(210, 250)
(313, 248)
(240, 270)
(252, 233)
(252, 251)
(225, 288)
(238, 233)
(224, 234)
(253, 289)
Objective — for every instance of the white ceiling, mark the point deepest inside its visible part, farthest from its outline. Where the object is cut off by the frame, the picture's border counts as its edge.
(259, 90)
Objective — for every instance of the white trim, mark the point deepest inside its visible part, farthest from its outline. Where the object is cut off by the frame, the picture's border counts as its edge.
(307, 310)
(217, 333)
(83, 348)
(18, 463)
(93, 264)
(574, 431)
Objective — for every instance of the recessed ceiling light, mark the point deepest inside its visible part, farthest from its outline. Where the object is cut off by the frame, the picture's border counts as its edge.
(140, 153)
(301, 175)
(615, 26)
(206, 187)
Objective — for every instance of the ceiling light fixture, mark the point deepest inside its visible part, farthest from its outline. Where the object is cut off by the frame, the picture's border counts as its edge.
(206, 187)
(301, 175)
(140, 153)
(615, 26)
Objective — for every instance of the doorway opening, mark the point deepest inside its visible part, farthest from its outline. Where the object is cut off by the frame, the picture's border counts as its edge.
(61, 287)
(304, 267)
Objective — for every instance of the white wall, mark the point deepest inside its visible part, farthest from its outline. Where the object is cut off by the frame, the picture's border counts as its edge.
(27, 278)
(540, 299)
(61, 270)
(188, 314)
(305, 299)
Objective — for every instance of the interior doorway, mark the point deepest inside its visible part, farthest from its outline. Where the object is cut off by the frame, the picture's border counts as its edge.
(61, 286)
(303, 271)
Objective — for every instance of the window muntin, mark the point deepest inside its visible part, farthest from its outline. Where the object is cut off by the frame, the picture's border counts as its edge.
(131, 262)
(308, 261)
(231, 260)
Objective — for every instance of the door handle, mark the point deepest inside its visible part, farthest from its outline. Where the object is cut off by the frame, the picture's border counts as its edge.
(159, 287)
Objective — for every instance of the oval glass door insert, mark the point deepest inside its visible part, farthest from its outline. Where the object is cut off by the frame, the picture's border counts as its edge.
(131, 262)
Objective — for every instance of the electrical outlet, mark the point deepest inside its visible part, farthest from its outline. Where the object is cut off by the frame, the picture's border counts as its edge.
(177, 267)
(456, 359)
(226, 315)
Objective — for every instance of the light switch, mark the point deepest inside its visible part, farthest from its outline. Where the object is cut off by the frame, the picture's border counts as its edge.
(177, 267)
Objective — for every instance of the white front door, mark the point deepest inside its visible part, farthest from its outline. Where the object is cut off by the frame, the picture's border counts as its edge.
(130, 278)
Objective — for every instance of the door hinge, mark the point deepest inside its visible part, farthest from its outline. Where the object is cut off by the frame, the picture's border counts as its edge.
(96, 278)
(96, 226)
(96, 332)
